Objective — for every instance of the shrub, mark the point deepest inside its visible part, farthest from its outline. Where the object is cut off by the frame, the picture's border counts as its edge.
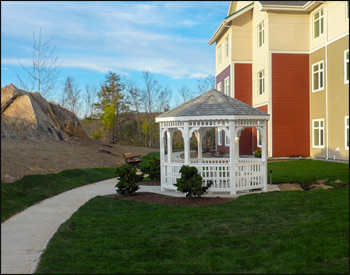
(191, 182)
(152, 169)
(128, 180)
(257, 153)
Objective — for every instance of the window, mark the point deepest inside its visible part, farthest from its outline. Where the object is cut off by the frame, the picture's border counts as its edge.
(218, 87)
(317, 76)
(227, 46)
(261, 82)
(219, 54)
(346, 67)
(219, 137)
(227, 140)
(346, 133)
(318, 133)
(227, 86)
(318, 23)
(261, 34)
(258, 139)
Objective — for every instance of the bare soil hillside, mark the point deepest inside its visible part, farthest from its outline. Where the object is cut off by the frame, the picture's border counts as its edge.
(21, 157)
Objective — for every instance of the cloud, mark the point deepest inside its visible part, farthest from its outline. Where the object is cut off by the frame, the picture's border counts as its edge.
(4, 68)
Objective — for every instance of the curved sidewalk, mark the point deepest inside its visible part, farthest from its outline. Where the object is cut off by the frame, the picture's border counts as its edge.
(25, 236)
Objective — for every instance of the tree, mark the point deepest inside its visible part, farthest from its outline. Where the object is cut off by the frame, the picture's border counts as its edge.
(71, 95)
(44, 71)
(205, 84)
(134, 98)
(90, 99)
(112, 93)
(164, 99)
(185, 94)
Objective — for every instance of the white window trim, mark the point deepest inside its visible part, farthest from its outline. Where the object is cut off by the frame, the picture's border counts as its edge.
(313, 24)
(219, 85)
(346, 81)
(219, 137)
(219, 54)
(258, 139)
(227, 46)
(312, 76)
(346, 132)
(227, 140)
(227, 84)
(263, 34)
(263, 80)
(313, 130)
(347, 10)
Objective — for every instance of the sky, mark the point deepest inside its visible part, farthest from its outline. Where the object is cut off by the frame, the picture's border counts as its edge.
(168, 38)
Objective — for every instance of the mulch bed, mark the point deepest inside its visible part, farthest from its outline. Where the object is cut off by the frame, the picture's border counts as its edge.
(150, 183)
(164, 199)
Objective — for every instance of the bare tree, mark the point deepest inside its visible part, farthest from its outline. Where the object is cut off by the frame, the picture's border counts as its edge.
(150, 93)
(164, 99)
(205, 84)
(43, 74)
(185, 94)
(71, 95)
(90, 99)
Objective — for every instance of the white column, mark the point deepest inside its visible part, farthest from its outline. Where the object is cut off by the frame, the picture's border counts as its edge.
(264, 154)
(162, 159)
(200, 150)
(232, 157)
(170, 135)
(186, 143)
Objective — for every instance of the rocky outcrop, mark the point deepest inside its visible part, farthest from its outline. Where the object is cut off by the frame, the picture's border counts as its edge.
(29, 115)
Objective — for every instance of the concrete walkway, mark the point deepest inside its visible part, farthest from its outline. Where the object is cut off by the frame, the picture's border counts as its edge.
(25, 236)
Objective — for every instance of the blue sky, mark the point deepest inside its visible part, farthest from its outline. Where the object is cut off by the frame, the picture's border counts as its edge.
(169, 39)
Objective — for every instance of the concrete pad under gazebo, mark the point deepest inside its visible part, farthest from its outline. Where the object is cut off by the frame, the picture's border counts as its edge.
(214, 109)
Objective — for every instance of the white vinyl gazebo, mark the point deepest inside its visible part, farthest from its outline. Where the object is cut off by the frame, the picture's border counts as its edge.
(214, 109)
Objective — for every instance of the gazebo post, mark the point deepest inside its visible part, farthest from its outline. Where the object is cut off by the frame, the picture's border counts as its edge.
(199, 140)
(170, 144)
(264, 154)
(162, 174)
(186, 143)
(232, 157)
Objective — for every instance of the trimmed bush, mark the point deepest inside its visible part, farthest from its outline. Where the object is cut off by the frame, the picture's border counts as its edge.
(152, 169)
(257, 153)
(191, 182)
(128, 180)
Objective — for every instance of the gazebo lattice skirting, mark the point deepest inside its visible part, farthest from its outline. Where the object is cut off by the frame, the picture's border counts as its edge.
(214, 110)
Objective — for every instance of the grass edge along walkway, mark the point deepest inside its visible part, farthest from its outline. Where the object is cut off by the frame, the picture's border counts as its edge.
(292, 232)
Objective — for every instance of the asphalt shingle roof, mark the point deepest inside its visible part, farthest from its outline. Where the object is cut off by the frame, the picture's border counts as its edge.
(213, 103)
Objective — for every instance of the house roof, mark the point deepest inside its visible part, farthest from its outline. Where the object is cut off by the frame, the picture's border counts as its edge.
(212, 104)
(283, 3)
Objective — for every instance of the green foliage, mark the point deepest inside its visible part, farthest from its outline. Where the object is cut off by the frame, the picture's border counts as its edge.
(257, 153)
(152, 169)
(109, 116)
(128, 179)
(97, 134)
(191, 182)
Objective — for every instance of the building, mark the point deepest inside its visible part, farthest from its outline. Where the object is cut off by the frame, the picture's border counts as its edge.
(291, 60)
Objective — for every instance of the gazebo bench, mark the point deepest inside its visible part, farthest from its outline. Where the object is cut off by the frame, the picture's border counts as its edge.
(132, 159)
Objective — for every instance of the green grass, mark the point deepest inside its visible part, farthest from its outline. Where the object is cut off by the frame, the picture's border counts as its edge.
(295, 232)
(308, 171)
(20, 194)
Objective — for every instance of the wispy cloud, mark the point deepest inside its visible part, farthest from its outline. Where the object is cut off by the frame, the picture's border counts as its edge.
(4, 68)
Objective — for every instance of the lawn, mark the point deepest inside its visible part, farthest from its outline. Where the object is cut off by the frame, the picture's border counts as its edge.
(292, 232)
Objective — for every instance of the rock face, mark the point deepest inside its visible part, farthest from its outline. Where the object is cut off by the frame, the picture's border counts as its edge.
(29, 115)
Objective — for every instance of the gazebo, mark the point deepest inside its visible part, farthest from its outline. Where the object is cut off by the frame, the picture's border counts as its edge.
(214, 109)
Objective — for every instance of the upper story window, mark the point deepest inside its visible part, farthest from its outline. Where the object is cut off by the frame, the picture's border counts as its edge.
(261, 82)
(227, 46)
(318, 23)
(318, 133)
(219, 54)
(219, 137)
(227, 86)
(346, 67)
(258, 139)
(346, 133)
(317, 76)
(218, 87)
(261, 34)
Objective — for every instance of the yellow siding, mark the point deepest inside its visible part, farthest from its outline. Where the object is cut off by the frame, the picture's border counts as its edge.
(337, 22)
(317, 105)
(338, 99)
(225, 61)
(241, 30)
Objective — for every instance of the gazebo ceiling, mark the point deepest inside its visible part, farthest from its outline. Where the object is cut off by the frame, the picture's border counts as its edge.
(212, 104)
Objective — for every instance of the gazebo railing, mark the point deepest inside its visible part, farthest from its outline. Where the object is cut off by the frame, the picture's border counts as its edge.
(248, 175)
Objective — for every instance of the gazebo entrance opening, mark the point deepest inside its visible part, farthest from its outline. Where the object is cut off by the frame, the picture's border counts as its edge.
(229, 172)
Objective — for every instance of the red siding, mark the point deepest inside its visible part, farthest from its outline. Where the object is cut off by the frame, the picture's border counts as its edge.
(221, 77)
(290, 109)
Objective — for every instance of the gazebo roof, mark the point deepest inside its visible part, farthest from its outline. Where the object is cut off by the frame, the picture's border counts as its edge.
(212, 104)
